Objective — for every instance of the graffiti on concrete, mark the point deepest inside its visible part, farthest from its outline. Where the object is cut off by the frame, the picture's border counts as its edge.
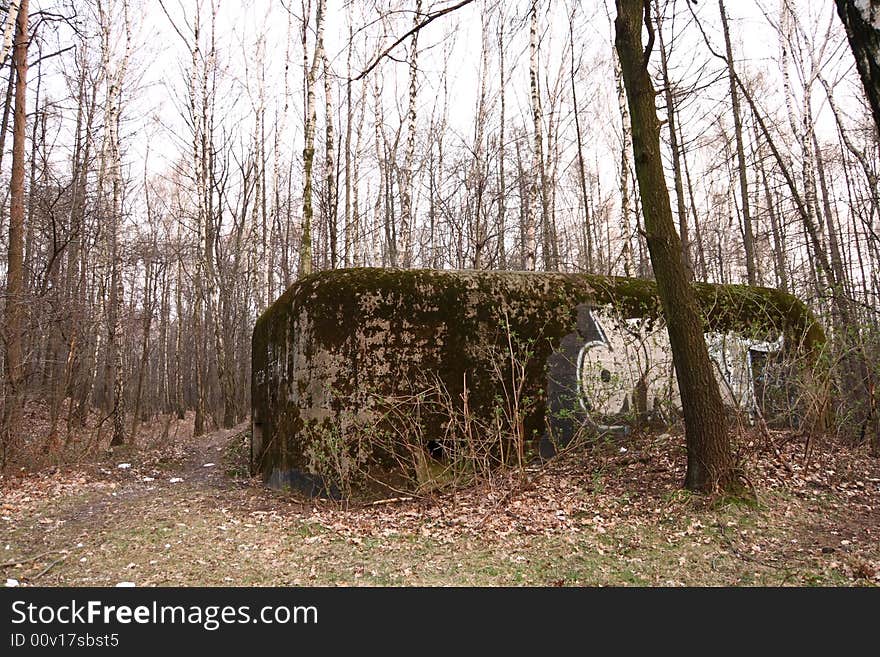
(613, 370)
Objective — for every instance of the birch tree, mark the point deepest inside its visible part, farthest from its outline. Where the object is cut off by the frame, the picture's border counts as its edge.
(536, 186)
(111, 167)
(311, 76)
(406, 186)
(9, 28)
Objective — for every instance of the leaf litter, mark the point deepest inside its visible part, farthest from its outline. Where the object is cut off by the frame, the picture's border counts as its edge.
(607, 514)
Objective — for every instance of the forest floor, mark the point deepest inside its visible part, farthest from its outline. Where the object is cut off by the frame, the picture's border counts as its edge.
(611, 514)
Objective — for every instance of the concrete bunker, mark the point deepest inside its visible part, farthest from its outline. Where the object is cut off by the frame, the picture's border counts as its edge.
(372, 380)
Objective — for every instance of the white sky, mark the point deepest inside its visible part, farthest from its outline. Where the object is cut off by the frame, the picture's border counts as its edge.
(160, 62)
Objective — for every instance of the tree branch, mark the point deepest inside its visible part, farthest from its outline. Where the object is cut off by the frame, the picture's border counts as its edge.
(429, 19)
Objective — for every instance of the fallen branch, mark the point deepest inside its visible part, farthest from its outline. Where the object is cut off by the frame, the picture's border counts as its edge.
(391, 500)
(48, 568)
(18, 562)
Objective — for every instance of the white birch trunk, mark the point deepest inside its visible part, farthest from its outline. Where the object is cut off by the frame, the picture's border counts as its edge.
(305, 265)
(9, 29)
(537, 151)
(406, 188)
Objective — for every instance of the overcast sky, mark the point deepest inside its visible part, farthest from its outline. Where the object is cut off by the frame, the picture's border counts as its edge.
(160, 61)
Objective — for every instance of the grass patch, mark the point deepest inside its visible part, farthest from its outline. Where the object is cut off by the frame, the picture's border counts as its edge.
(598, 518)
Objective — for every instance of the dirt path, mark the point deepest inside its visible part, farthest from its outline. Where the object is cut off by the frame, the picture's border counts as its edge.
(80, 514)
(190, 516)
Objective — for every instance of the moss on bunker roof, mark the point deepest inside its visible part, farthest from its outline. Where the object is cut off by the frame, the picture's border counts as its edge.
(332, 297)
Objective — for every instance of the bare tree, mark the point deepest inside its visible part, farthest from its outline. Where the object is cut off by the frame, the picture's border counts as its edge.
(111, 167)
(406, 184)
(311, 76)
(538, 189)
(15, 267)
(748, 233)
(710, 461)
(625, 150)
(675, 147)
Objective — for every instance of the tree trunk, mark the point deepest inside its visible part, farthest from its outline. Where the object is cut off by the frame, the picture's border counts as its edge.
(179, 399)
(502, 187)
(355, 230)
(748, 233)
(305, 263)
(776, 230)
(582, 176)
(348, 228)
(710, 464)
(539, 187)
(9, 29)
(861, 19)
(698, 235)
(406, 186)
(478, 175)
(112, 165)
(7, 108)
(625, 149)
(536, 174)
(676, 151)
(15, 265)
(330, 166)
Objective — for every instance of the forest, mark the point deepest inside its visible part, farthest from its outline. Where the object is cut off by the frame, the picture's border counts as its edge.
(168, 168)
